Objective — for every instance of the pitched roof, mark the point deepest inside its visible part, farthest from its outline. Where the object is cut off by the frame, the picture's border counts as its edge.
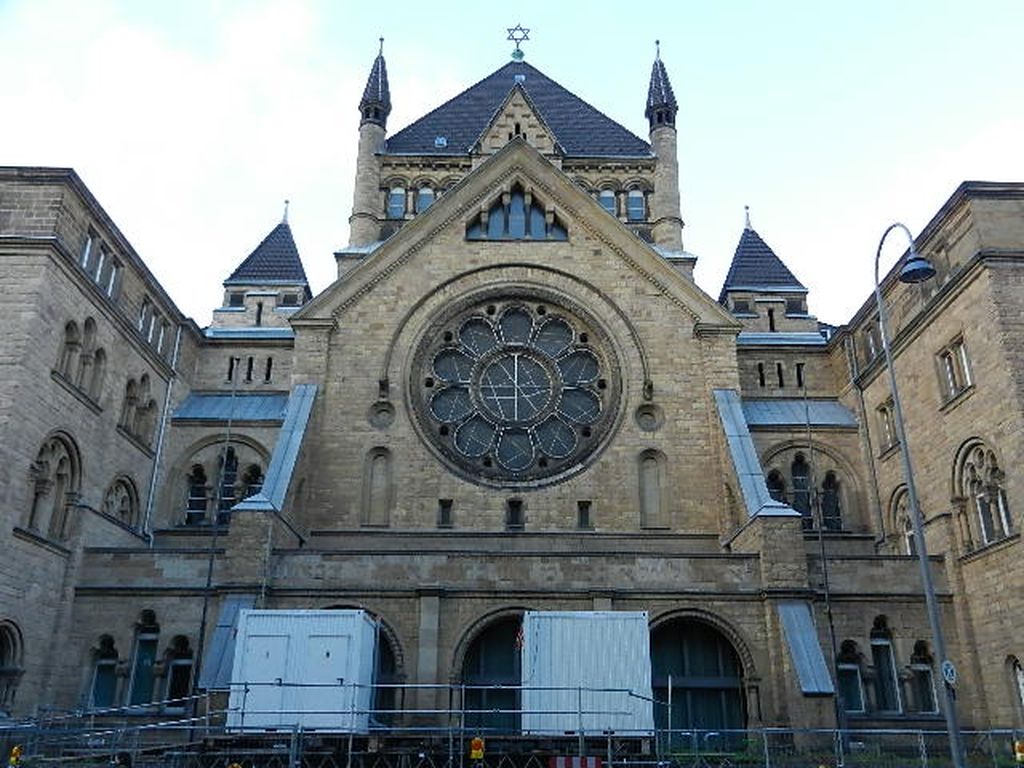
(580, 129)
(275, 260)
(659, 92)
(756, 267)
(377, 91)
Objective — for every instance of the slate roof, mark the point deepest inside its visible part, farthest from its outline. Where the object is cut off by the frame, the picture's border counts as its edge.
(578, 128)
(377, 90)
(756, 267)
(659, 93)
(275, 260)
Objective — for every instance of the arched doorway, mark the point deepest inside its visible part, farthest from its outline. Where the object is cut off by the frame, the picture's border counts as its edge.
(705, 673)
(492, 660)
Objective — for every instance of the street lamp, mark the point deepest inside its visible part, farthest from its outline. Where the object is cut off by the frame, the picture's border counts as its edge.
(917, 269)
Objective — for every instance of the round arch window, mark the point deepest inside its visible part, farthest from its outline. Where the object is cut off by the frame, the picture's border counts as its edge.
(515, 390)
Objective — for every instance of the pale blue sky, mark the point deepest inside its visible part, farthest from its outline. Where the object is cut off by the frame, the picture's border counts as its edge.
(192, 121)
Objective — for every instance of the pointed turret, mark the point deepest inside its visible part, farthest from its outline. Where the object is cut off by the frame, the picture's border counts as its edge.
(761, 290)
(666, 215)
(367, 205)
(661, 101)
(375, 106)
(268, 285)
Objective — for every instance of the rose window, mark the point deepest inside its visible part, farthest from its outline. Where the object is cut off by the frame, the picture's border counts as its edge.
(515, 390)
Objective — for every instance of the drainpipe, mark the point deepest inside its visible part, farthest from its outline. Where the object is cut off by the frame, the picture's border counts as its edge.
(160, 438)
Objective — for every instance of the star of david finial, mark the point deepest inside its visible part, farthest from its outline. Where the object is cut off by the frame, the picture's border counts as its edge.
(518, 34)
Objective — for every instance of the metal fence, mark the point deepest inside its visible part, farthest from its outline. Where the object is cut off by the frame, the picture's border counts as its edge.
(205, 732)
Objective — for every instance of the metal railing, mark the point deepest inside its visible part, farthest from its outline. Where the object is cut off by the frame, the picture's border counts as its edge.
(210, 731)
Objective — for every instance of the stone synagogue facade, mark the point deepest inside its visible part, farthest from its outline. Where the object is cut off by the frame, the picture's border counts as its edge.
(514, 397)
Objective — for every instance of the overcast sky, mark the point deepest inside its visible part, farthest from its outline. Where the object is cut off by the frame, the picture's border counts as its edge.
(191, 122)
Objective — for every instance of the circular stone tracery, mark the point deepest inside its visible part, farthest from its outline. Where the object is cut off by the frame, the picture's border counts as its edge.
(515, 390)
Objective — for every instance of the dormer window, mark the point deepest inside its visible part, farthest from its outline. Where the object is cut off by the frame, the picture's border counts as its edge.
(396, 203)
(636, 205)
(424, 199)
(290, 300)
(236, 299)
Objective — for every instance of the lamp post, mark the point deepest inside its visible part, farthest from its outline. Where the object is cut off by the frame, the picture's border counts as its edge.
(917, 269)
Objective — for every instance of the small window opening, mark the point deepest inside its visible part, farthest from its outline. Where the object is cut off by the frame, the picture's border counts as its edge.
(583, 520)
(290, 299)
(248, 369)
(771, 319)
(778, 372)
(444, 513)
(760, 375)
(231, 368)
(236, 299)
(514, 515)
(518, 131)
(800, 375)
(259, 313)
(269, 369)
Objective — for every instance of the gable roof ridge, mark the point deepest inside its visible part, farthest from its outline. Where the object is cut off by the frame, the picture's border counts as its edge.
(275, 259)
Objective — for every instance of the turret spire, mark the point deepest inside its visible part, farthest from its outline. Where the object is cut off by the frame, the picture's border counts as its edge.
(661, 102)
(375, 106)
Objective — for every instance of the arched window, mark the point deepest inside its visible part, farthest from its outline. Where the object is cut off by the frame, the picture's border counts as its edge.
(10, 664)
(141, 686)
(652, 498)
(982, 485)
(831, 514)
(606, 197)
(492, 662)
(69, 350)
(198, 496)
(1017, 684)
(94, 387)
(377, 488)
(887, 692)
(131, 402)
(706, 677)
(121, 501)
(252, 481)
(396, 203)
(902, 525)
(801, 473)
(228, 481)
(922, 680)
(776, 486)
(103, 686)
(851, 683)
(516, 216)
(55, 477)
(636, 205)
(83, 377)
(178, 666)
(424, 198)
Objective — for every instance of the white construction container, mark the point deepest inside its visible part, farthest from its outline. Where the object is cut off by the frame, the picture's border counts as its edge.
(312, 669)
(588, 670)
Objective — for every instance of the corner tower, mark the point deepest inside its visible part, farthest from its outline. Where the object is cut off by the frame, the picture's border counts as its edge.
(374, 108)
(661, 115)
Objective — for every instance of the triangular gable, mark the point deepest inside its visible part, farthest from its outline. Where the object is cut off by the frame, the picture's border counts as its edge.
(517, 116)
(519, 164)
